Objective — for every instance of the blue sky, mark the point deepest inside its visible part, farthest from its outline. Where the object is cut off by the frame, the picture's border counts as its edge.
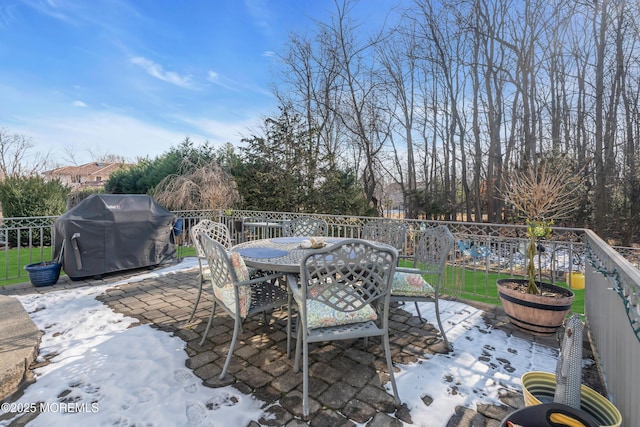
(135, 77)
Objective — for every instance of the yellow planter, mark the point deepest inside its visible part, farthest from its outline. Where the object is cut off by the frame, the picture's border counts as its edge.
(540, 387)
(575, 280)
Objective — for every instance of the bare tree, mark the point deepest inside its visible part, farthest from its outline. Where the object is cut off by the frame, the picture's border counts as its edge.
(359, 111)
(402, 69)
(457, 90)
(490, 96)
(440, 31)
(15, 157)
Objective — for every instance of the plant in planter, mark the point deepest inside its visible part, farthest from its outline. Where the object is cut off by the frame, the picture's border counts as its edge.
(539, 193)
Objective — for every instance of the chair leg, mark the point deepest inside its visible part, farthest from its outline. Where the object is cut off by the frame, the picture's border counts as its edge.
(195, 306)
(296, 364)
(419, 314)
(444, 335)
(387, 351)
(206, 331)
(305, 378)
(288, 324)
(236, 329)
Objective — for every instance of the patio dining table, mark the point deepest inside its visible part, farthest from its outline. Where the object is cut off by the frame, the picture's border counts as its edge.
(281, 254)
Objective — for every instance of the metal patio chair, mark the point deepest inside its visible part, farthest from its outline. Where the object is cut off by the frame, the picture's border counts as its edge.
(421, 281)
(386, 231)
(218, 232)
(305, 226)
(237, 294)
(343, 293)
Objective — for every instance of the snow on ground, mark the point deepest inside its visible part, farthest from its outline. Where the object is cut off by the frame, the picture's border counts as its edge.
(106, 372)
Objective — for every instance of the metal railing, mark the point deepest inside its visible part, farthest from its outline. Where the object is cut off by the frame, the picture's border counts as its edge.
(482, 248)
(32, 235)
(612, 293)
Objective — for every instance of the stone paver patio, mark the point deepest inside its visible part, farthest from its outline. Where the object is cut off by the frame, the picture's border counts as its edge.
(346, 381)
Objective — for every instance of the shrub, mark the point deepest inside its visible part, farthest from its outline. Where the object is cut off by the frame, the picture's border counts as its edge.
(28, 197)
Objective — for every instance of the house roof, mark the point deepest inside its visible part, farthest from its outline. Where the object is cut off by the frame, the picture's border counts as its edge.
(88, 169)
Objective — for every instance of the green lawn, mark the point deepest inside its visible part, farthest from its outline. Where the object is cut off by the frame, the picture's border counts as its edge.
(12, 262)
(478, 286)
(475, 285)
(465, 283)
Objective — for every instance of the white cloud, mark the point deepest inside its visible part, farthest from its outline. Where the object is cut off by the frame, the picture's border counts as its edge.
(53, 9)
(99, 132)
(83, 132)
(157, 71)
(7, 15)
(236, 86)
(212, 76)
(218, 132)
(224, 82)
(261, 13)
(59, 125)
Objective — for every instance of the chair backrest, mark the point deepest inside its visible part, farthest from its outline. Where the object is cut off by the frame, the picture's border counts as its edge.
(215, 230)
(305, 226)
(387, 231)
(228, 274)
(217, 257)
(348, 275)
(432, 249)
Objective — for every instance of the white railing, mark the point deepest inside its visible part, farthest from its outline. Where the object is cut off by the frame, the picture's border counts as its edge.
(612, 308)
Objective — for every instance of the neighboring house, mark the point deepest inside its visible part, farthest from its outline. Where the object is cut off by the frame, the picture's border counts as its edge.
(92, 174)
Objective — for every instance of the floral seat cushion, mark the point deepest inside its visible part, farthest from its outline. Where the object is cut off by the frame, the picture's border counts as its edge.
(322, 315)
(206, 273)
(226, 293)
(410, 284)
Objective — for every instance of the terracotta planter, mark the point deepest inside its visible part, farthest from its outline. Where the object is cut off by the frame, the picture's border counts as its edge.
(535, 314)
(540, 387)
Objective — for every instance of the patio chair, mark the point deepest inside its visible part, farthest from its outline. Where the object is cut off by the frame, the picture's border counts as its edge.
(422, 280)
(218, 232)
(386, 231)
(304, 226)
(342, 293)
(239, 296)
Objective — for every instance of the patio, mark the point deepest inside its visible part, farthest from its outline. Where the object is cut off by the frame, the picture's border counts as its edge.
(477, 384)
